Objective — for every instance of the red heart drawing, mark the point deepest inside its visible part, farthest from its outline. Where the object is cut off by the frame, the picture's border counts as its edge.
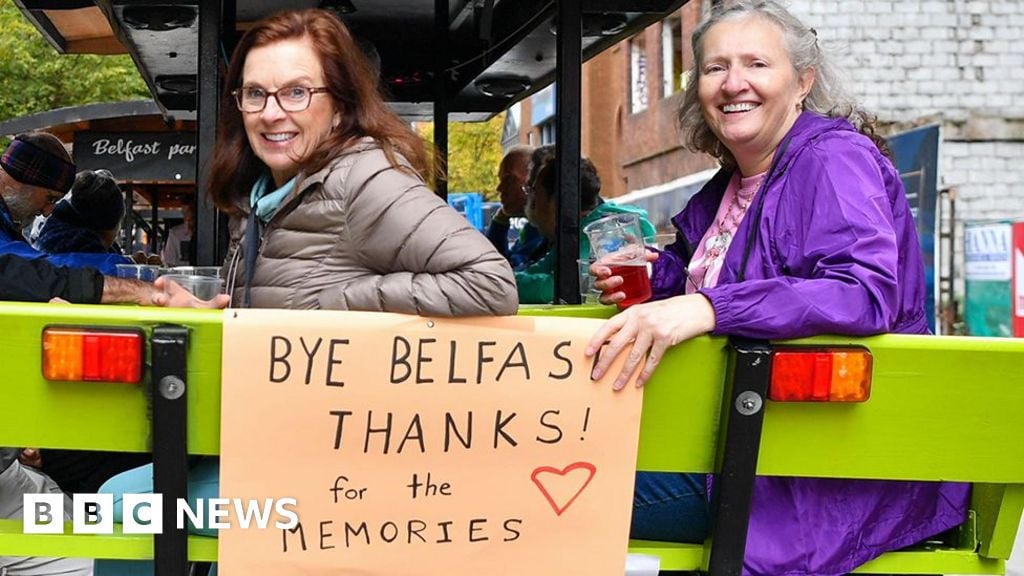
(563, 483)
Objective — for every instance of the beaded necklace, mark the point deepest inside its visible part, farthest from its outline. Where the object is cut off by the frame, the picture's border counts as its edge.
(717, 244)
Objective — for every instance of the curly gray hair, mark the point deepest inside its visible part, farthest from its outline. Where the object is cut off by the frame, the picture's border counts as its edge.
(826, 97)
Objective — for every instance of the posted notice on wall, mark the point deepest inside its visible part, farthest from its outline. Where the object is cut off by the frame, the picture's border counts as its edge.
(416, 446)
(987, 251)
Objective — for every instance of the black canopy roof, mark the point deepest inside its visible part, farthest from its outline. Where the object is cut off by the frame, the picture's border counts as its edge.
(492, 52)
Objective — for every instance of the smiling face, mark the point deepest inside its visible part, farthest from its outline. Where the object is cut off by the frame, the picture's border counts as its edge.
(748, 89)
(283, 139)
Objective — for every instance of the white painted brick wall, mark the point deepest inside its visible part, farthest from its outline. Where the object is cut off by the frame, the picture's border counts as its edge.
(959, 61)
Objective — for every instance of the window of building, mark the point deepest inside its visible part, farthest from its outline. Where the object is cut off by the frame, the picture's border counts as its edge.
(672, 65)
(637, 74)
(548, 132)
(510, 129)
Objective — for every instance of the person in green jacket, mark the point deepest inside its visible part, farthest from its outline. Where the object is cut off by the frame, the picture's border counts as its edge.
(536, 284)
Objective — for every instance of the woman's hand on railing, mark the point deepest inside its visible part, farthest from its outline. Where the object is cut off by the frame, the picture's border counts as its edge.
(650, 328)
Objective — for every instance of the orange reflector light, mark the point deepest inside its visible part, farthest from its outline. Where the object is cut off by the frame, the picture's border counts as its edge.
(92, 354)
(820, 375)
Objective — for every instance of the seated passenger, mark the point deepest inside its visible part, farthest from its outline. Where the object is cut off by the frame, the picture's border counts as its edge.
(179, 240)
(513, 174)
(329, 210)
(35, 173)
(17, 480)
(806, 230)
(37, 280)
(536, 284)
(88, 219)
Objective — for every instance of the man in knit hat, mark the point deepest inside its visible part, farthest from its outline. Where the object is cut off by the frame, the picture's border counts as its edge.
(35, 173)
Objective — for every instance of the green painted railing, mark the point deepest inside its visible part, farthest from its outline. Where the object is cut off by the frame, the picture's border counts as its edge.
(941, 408)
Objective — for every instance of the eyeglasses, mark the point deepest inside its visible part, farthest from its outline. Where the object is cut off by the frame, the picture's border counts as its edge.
(289, 98)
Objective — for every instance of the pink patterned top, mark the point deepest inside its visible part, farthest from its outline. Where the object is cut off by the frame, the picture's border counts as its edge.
(710, 253)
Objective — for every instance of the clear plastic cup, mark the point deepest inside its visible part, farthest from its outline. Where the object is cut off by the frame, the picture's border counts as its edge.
(588, 294)
(212, 271)
(202, 287)
(617, 241)
(145, 272)
(618, 236)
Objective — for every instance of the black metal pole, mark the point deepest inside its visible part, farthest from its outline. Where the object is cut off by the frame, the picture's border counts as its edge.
(128, 223)
(742, 419)
(154, 217)
(568, 87)
(441, 23)
(170, 449)
(228, 32)
(208, 243)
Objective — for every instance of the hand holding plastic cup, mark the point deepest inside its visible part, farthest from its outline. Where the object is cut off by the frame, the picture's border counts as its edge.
(617, 242)
(202, 287)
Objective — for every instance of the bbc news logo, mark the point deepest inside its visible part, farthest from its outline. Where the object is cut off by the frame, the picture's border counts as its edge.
(144, 513)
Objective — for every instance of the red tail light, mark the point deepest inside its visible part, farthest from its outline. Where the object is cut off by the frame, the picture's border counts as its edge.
(820, 375)
(93, 354)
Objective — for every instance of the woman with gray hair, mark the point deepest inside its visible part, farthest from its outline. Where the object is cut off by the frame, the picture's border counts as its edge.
(805, 230)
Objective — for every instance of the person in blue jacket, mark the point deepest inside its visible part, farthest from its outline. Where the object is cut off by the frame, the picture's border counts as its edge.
(88, 220)
(35, 173)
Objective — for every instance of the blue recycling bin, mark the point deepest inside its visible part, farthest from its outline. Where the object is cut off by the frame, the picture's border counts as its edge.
(470, 205)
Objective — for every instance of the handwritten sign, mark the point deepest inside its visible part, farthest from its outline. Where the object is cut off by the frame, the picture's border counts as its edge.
(424, 446)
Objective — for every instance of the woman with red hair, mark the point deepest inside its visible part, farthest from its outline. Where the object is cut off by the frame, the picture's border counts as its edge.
(324, 185)
(328, 206)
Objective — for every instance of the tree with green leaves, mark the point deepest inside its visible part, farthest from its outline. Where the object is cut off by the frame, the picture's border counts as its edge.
(34, 77)
(474, 151)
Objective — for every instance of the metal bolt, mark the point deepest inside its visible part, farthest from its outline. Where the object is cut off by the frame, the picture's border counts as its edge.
(171, 387)
(430, 324)
(748, 403)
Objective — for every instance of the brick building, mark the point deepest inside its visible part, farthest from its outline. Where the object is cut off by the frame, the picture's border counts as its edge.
(955, 63)
(912, 62)
(629, 100)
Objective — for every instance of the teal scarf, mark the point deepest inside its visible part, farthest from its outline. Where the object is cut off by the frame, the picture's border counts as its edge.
(265, 201)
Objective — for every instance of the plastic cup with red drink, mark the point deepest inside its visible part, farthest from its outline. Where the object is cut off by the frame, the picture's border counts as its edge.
(617, 241)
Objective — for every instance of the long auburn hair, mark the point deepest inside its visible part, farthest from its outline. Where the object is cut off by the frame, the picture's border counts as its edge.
(352, 85)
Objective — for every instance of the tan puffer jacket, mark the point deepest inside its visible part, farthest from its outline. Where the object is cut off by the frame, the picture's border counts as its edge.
(363, 235)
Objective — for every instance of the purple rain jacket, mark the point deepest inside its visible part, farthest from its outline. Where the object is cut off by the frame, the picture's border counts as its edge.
(830, 247)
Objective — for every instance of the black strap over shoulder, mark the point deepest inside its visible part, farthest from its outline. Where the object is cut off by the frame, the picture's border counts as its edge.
(742, 272)
(252, 249)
